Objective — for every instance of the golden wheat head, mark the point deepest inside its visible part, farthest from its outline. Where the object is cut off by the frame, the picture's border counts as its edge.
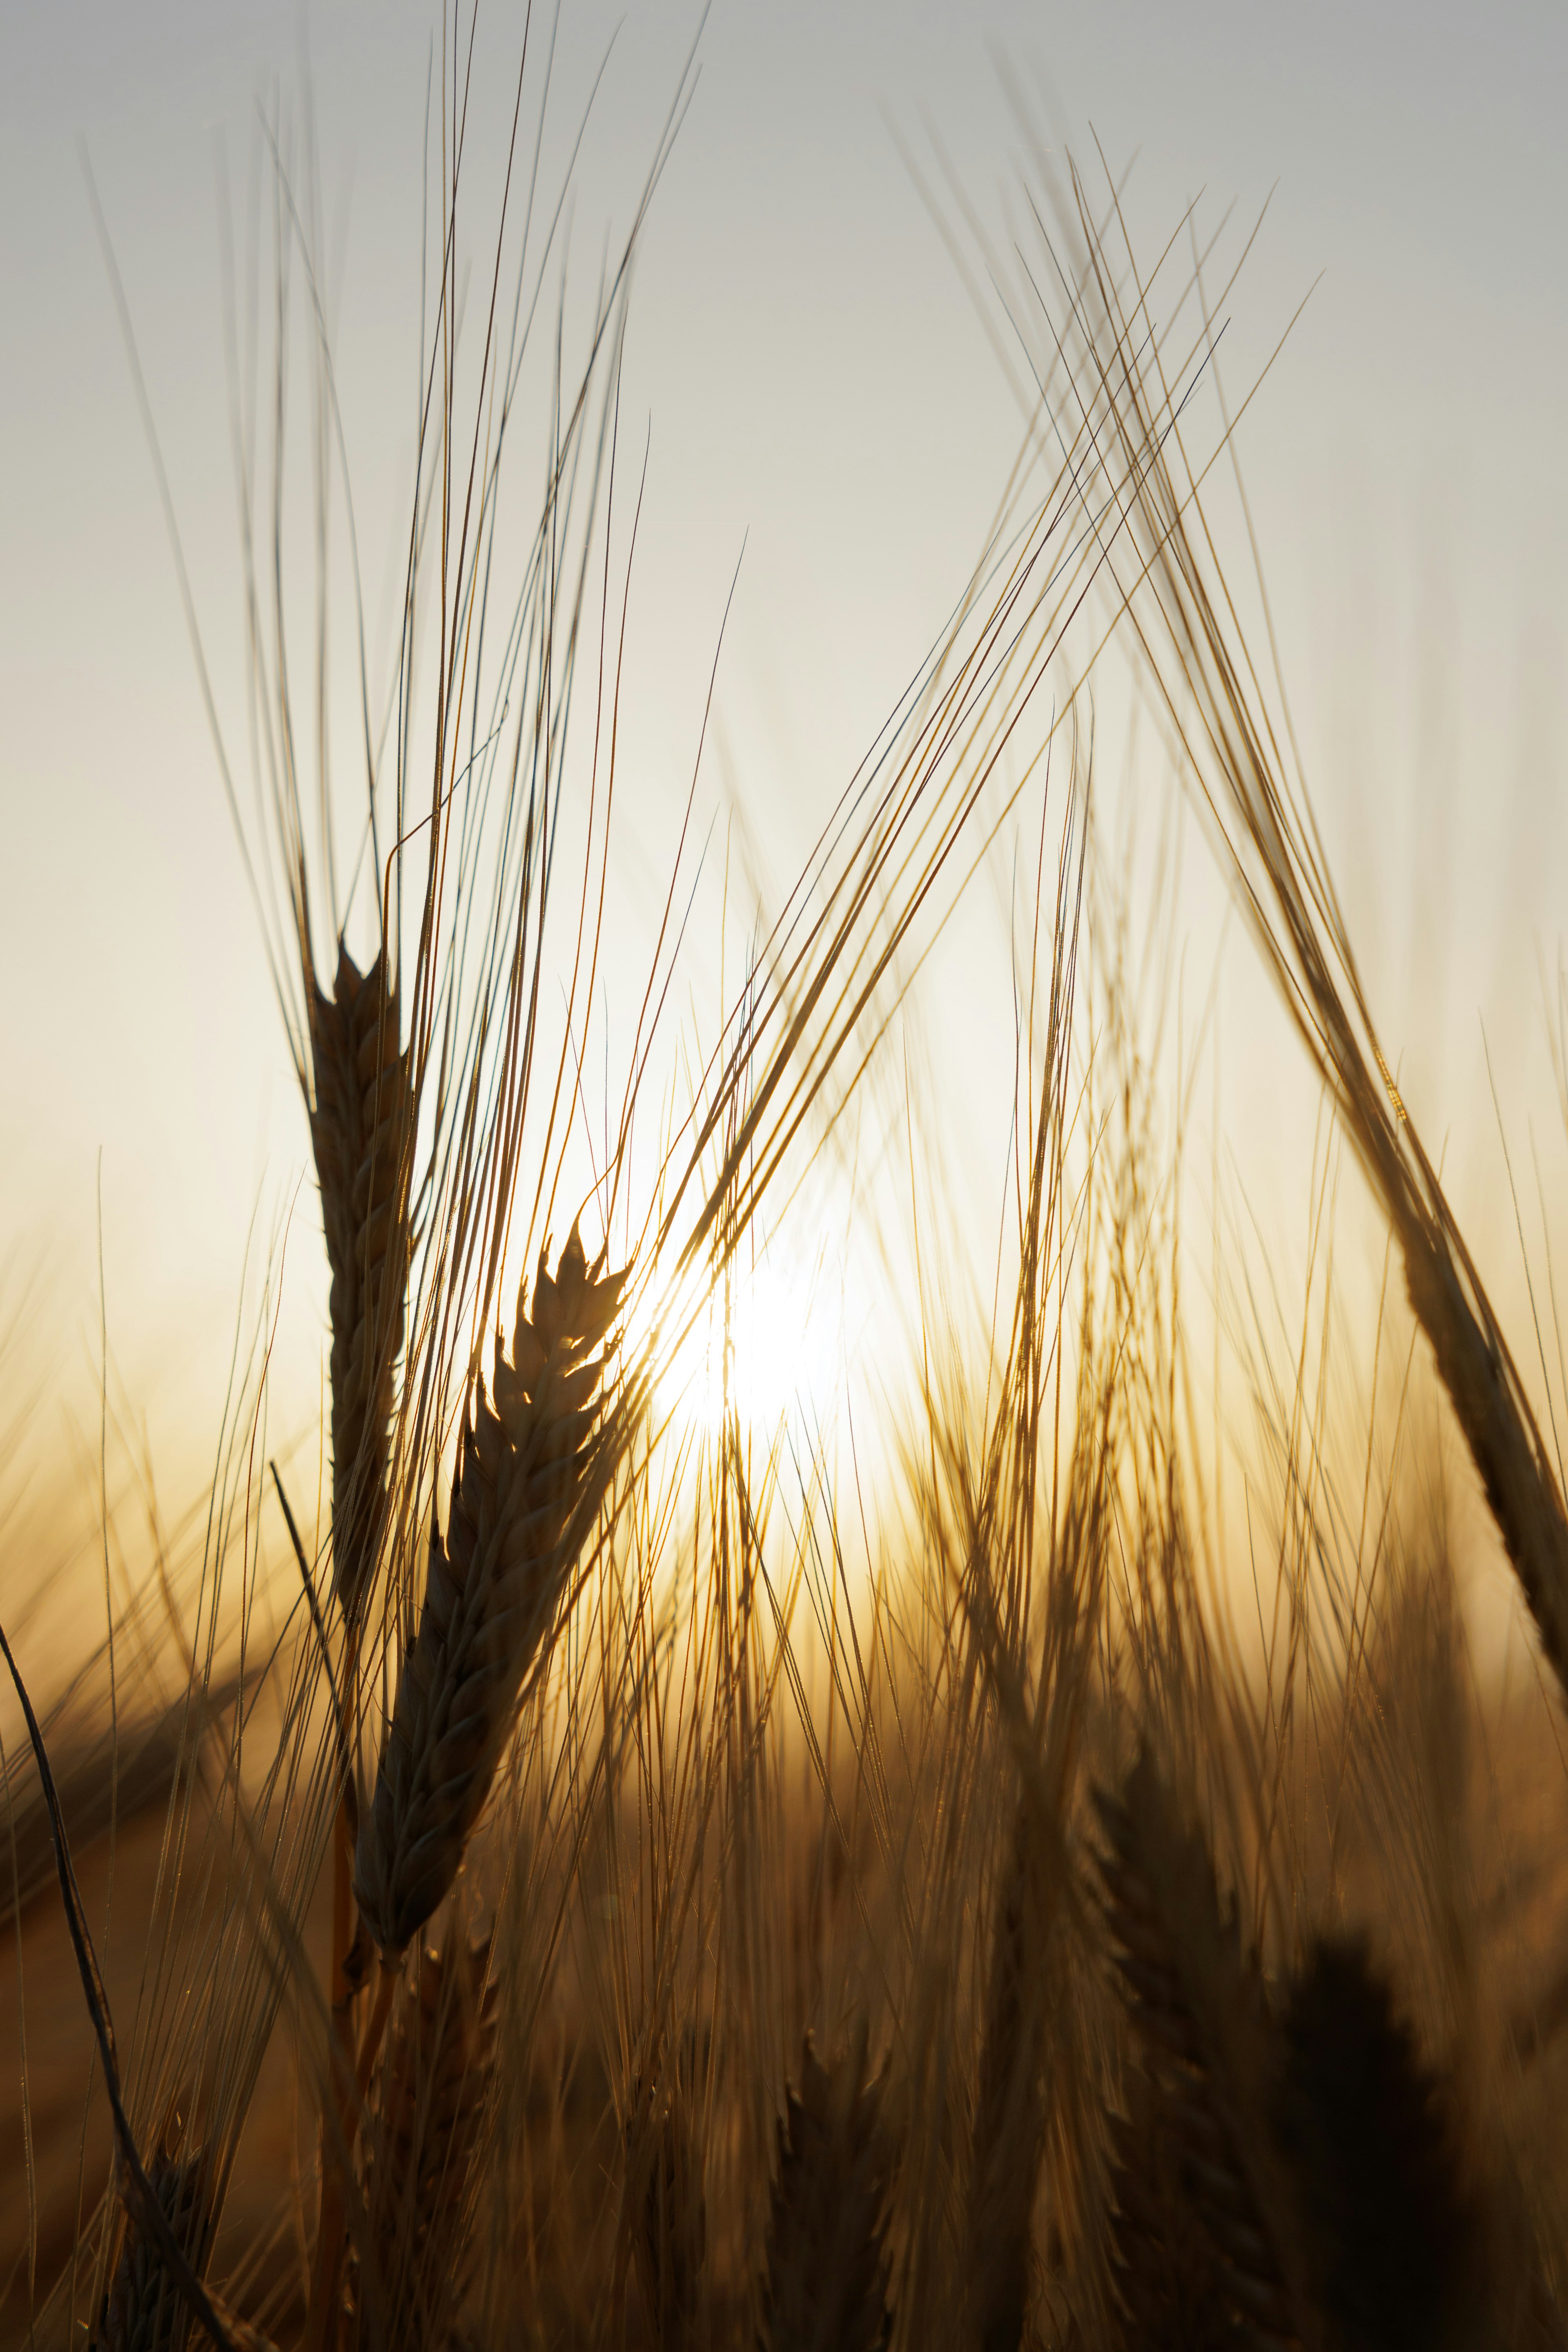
(525, 1470)
(361, 1126)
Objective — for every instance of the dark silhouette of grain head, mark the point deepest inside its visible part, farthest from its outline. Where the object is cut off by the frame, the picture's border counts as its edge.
(531, 1466)
(825, 2285)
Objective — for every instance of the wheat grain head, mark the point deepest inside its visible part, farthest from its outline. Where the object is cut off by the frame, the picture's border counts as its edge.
(1197, 1999)
(143, 2309)
(530, 1470)
(361, 1129)
(826, 2286)
(1393, 2229)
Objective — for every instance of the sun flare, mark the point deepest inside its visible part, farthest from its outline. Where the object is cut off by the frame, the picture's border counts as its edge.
(757, 1347)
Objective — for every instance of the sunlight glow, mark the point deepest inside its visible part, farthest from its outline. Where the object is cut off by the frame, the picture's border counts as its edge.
(762, 1346)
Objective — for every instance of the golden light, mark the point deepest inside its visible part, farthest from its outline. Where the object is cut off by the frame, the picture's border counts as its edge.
(760, 1346)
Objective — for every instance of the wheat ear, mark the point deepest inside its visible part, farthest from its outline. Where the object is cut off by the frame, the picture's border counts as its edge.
(1169, 2283)
(143, 2309)
(362, 1120)
(1171, 2286)
(360, 1128)
(1199, 2004)
(430, 2112)
(1394, 2232)
(827, 2284)
(530, 1476)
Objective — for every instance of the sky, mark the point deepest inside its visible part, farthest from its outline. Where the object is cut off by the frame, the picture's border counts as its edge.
(821, 405)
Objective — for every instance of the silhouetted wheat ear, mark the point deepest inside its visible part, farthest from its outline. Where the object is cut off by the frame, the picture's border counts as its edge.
(1393, 2233)
(827, 2284)
(1199, 2004)
(1171, 2286)
(672, 2244)
(430, 2105)
(1504, 1444)
(143, 2310)
(361, 1130)
(528, 1476)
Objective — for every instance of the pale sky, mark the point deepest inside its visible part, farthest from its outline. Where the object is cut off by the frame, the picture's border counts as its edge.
(811, 381)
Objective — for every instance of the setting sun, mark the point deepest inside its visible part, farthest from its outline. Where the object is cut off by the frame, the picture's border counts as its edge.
(759, 1346)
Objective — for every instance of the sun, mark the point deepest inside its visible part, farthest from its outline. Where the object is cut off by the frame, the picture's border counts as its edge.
(759, 1347)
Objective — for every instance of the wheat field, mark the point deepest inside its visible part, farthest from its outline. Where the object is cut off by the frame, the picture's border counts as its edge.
(534, 1865)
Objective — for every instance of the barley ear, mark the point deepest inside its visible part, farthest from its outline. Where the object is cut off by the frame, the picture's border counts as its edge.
(825, 2287)
(362, 1125)
(1199, 2006)
(143, 2311)
(533, 1463)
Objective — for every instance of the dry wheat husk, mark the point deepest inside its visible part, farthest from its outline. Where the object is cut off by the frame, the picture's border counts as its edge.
(1290, 2171)
(362, 1123)
(530, 1466)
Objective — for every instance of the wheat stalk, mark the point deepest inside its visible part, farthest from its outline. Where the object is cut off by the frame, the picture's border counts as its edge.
(362, 1122)
(529, 1475)
(1390, 2231)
